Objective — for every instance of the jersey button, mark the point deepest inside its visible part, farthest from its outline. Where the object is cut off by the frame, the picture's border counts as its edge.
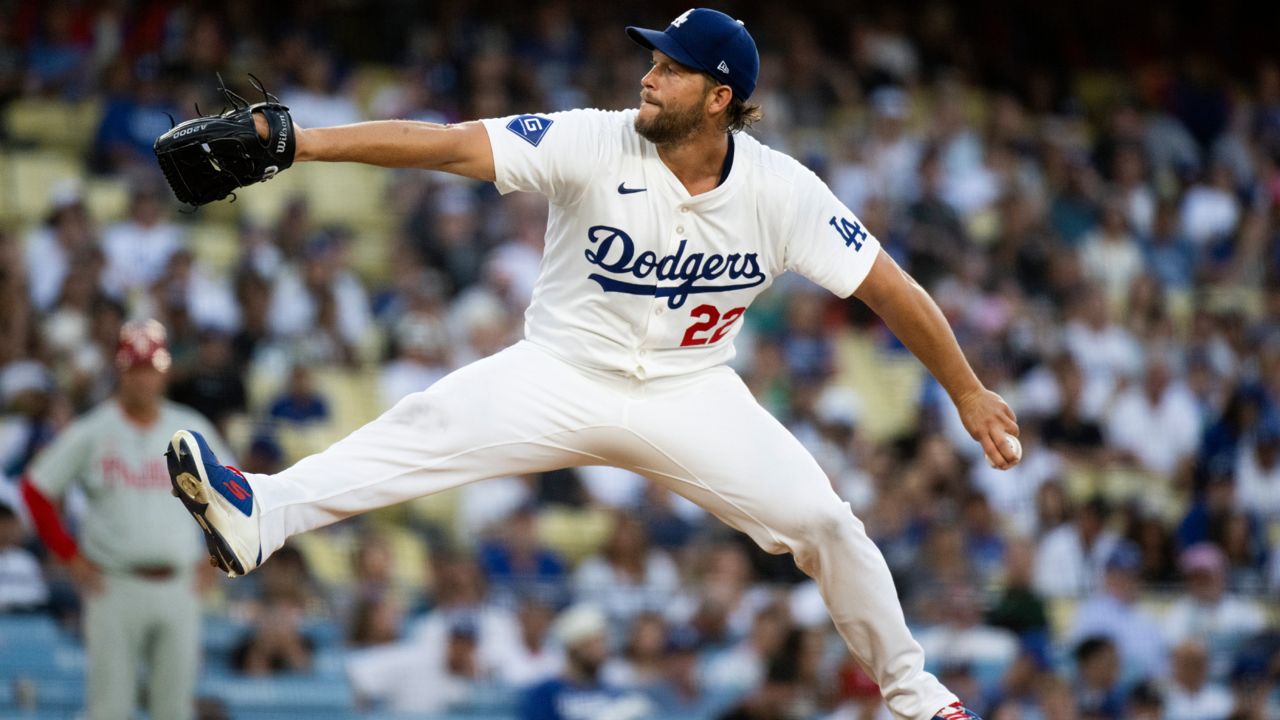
(684, 209)
(680, 228)
(657, 310)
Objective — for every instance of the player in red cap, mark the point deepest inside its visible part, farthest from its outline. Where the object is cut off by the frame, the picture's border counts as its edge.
(136, 556)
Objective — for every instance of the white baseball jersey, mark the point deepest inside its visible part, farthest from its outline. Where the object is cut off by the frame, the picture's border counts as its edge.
(642, 278)
(641, 292)
(132, 518)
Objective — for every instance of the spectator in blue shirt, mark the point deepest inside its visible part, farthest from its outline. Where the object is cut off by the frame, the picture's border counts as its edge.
(579, 693)
(300, 403)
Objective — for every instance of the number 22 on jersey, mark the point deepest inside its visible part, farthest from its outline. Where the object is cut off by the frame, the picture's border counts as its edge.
(708, 317)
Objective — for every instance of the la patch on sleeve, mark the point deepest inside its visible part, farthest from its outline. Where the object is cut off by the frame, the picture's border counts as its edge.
(530, 127)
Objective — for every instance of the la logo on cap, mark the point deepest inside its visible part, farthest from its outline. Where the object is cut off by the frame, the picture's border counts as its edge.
(683, 16)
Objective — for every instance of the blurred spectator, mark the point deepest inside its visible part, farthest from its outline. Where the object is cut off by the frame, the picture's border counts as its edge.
(421, 354)
(538, 656)
(1189, 694)
(1210, 211)
(138, 110)
(517, 562)
(276, 644)
(1258, 470)
(1208, 614)
(513, 265)
(22, 585)
(1161, 407)
(1097, 683)
(744, 664)
(213, 386)
(402, 680)
(1168, 253)
(461, 596)
(984, 543)
(1072, 431)
(28, 425)
(314, 101)
(893, 154)
(264, 455)
(1019, 608)
(580, 693)
(375, 619)
(961, 638)
(639, 666)
(1110, 256)
(1071, 557)
(936, 240)
(1145, 702)
(1112, 612)
(300, 403)
(1159, 555)
(627, 576)
(320, 304)
(679, 690)
(53, 247)
(1105, 351)
(775, 698)
(138, 249)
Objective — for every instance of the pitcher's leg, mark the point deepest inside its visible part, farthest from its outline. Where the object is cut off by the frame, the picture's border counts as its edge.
(712, 443)
(516, 412)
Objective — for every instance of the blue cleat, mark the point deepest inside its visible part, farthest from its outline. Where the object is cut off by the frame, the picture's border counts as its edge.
(220, 499)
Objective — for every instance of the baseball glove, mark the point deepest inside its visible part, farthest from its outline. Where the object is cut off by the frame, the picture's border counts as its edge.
(207, 158)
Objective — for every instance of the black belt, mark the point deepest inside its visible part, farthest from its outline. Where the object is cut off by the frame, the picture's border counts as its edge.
(153, 572)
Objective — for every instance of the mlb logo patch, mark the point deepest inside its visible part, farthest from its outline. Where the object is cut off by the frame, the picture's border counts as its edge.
(530, 127)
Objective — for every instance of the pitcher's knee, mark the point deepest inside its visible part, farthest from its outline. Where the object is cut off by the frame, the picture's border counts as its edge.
(824, 526)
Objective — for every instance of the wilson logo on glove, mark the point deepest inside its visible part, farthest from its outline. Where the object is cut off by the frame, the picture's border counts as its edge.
(207, 158)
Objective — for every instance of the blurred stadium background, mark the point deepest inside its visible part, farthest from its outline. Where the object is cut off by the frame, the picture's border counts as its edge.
(1091, 192)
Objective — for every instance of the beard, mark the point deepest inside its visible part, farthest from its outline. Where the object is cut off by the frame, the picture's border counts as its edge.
(671, 125)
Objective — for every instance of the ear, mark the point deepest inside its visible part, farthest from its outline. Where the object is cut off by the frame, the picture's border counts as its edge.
(718, 99)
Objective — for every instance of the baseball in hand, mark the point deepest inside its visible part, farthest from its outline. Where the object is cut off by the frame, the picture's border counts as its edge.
(1014, 447)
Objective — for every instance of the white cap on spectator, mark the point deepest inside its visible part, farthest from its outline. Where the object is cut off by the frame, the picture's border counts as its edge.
(838, 405)
(579, 623)
(65, 193)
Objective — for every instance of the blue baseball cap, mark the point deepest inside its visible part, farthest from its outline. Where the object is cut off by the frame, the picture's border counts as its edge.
(710, 41)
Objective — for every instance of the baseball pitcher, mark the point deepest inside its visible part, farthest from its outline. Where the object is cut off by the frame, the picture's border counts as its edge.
(665, 222)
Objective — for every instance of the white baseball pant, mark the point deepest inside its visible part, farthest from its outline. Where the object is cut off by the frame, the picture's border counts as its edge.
(702, 435)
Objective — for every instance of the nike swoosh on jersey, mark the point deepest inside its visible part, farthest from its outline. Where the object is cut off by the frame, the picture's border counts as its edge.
(624, 190)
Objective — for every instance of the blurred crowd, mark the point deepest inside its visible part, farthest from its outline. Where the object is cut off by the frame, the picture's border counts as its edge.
(1105, 242)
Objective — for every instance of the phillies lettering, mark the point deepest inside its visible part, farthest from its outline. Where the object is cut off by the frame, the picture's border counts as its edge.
(152, 475)
(614, 252)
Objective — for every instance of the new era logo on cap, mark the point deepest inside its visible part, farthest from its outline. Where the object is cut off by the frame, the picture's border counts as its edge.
(723, 67)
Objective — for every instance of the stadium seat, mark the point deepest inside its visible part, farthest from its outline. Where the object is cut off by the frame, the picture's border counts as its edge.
(287, 695)
(30, 176)
(216, 245)
(345, 192)
(888, 385)
(353, 397)
(574, 534)
(53, 124)
(266, 203)
(106, 199)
